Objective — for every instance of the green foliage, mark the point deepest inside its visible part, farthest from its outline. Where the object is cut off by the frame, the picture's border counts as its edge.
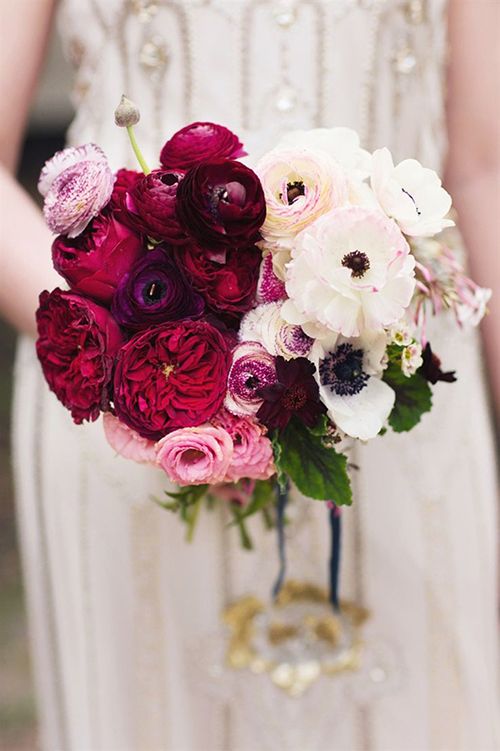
(413, 398)
(317, 470)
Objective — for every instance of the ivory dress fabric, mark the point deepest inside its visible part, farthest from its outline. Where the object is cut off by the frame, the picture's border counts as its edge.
(125, 616)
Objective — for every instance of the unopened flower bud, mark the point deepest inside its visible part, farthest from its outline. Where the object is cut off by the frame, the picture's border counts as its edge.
(127, 113)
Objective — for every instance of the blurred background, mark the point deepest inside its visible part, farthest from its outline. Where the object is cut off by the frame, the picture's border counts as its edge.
(50, 116)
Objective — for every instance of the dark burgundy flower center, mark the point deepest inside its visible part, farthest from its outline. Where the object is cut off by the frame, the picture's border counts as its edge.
(294, 397)
(357, 261)
(294, 190)
(342, 370)
(169, 179)
(153, 292)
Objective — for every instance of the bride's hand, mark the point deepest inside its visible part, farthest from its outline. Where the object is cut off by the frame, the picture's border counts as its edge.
(25, 265)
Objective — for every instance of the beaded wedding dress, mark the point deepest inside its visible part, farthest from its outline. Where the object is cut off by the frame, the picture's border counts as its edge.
(125, 615)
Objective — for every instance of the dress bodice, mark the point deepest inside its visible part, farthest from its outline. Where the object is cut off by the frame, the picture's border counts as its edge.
(260, 67)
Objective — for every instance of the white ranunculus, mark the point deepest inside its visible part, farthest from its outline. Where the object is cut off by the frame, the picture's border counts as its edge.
(348, 374)
(265, 325)
(350, 271)
(411, 194)
(340, 143)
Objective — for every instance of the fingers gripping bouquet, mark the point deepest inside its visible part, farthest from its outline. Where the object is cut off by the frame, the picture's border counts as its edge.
(239, 327)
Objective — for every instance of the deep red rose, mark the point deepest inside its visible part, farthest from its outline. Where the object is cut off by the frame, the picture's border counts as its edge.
(229, 288)
(221, 203)
(152, 206)
(199, 142)
(171, 376)
(125, 179)
(77, 342)
(94, 263)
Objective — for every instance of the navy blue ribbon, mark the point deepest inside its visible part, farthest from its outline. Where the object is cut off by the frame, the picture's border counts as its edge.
(335, 529)
(280, 528)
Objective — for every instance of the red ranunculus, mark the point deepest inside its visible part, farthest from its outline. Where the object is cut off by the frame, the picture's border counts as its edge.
(229, 288)
(76, 345)
(125, 179)
(198, 142)
(221, 203)
(152, 206)
(94, 263)
(171, 376)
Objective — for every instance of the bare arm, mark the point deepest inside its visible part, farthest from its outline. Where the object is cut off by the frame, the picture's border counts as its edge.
(473, 170)
(25, 266)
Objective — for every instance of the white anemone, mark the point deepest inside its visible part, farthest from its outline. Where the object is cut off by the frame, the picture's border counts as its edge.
(350, 271)
(410, 194)
(348, 372)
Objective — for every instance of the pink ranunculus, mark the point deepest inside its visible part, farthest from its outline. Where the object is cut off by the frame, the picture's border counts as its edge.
(127, 442)
(269, 288)
(76, 183)
(196, 456)
(253, 451)
(252, 368)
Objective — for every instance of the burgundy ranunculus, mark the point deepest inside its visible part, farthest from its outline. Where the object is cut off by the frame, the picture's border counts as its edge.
(76, 345)
(171, 376)
(152, 206)
(431, 368)
(221, 204)
(94, 262)
(125, 180)
(295, 393)
(155, 291)
(199, 142)
(229, 288)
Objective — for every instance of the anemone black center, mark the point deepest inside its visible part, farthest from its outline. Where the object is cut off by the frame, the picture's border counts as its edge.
(342, 370)
(153, 292)
(358, 262)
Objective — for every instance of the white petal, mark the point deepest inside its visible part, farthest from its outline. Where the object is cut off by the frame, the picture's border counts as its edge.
(362, 415)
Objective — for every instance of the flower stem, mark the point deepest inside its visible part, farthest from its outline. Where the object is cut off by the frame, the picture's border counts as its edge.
(137, 151)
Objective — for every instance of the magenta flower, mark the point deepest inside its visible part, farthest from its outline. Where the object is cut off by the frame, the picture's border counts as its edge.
(76, 183)
(252, 369)
(198, 142)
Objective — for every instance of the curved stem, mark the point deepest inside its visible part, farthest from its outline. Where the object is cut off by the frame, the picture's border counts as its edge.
(137, 151)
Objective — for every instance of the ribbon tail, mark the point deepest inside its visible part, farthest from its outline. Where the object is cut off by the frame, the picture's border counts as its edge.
(280, 528)
(335, 528)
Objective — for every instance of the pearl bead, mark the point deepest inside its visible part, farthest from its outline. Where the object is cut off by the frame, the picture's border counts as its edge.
(286, 99)
(284, 13)
(405, 61)
(153, 55)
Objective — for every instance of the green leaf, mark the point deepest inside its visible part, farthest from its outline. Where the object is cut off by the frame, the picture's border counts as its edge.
(239, 520)
(317, 470)
(278, 462)
(322, 426)
(263, 495)
(413, 398)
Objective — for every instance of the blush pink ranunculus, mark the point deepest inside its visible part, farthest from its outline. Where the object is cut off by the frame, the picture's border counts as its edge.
(252, 450)
(127, 442)
(195, 456)
(76, 184)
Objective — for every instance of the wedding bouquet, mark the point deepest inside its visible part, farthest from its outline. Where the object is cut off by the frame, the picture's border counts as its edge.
(240, 328)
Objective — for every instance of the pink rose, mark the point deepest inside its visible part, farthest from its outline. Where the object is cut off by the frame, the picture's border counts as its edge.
(195, 456)
(127, 442)
(252, 450)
